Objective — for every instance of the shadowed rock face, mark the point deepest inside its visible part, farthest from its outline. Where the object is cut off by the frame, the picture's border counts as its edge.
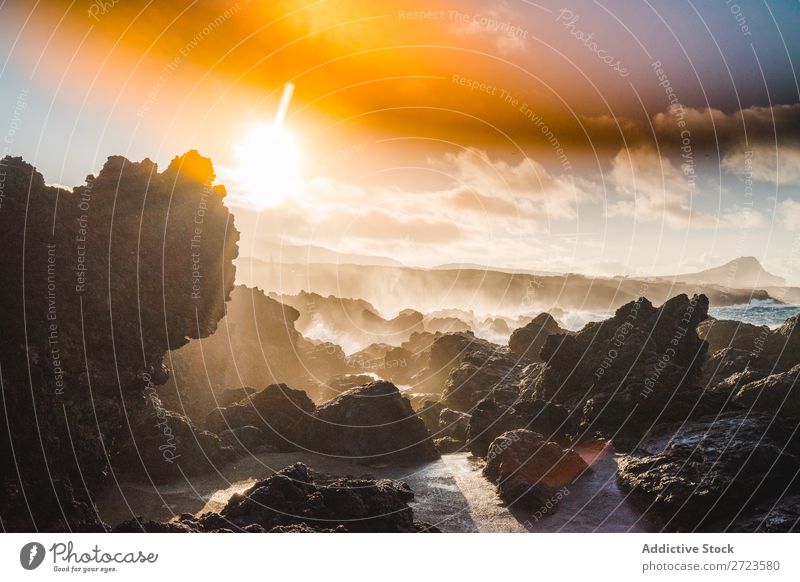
(98, 284)
(710, 473)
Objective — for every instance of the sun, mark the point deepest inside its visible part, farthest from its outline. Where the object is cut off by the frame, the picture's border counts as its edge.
(268, 164)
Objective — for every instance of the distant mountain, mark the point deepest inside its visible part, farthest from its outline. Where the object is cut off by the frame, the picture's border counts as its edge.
(741, 273)
(476, 267)
(304, 254)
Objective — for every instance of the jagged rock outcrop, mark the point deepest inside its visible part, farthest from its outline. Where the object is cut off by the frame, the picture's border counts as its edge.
(293, 500)
(372, 423)
(528, 469)
(626, 372)
(99, 283)
(527, 342)
(710, 473)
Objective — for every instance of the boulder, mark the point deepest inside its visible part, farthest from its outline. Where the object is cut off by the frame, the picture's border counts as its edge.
(372, 423)
(483, 367)
(528, 469)
(446, 352)
(778, 393)
(503, 411)
(97, 289)
(164, 445)
(782, 350)
(229, 396)
(709, 473)
(281, 414)
(527, 341)
(453, 424)
(723, 333)
(447, 445)
(429, 410)
(293, 500)
(725, 363)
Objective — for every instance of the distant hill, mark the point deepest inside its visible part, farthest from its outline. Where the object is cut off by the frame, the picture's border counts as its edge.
(741, 273)
(303, 254)
(476, 267)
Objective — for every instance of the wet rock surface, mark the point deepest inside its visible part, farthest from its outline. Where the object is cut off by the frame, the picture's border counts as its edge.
(528, 469)
(712, 473)
(293, 500)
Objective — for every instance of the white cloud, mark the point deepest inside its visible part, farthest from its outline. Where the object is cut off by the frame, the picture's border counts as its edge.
(659, 190)
(765, 163)
(789, 212)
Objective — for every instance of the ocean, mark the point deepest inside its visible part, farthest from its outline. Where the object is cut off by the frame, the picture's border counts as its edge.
(758, 313)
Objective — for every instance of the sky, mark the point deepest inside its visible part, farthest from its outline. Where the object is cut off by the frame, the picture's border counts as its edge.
(614, 137)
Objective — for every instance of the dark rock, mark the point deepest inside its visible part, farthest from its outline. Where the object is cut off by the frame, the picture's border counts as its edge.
(344, 382)
(230, 396)
(782, 516)
(527, 341)
(778, 393)
(372, 423)
(504, 410)
(782, 350)
(429, 411)
(281, 414)
(447, 445)
(453, 424)
(528, 469)
(291, 500)
(708, 473)
(163, 445)
(243, 438)
(119, 245)
(722, 333)
(725, 363)
(446, 352)
(140, 525)
(643, 360)
(483, 366)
